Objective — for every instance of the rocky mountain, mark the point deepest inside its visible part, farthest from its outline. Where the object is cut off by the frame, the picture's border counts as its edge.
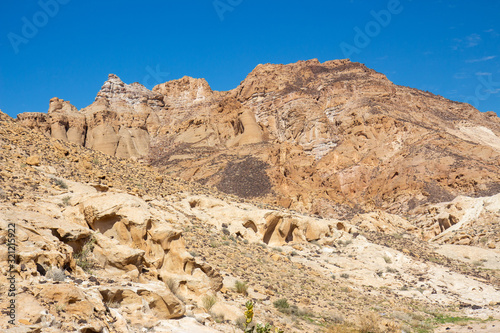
(105, 244)
(332, 139)
(331, 198)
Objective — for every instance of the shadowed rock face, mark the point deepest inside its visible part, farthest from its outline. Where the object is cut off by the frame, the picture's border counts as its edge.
(338, 138)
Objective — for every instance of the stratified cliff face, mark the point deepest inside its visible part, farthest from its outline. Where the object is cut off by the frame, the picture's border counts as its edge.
(118, 123)
(338, 138)
(334, 138)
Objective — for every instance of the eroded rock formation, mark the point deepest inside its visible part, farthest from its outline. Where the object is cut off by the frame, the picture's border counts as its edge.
(336, 138)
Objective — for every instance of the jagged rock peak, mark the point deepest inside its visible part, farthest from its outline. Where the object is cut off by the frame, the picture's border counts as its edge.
(114, 91)
(114, 77)
(112, 87)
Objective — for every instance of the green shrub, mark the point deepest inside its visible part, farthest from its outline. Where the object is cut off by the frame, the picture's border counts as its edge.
(281, 304)
(209, 301)
(259, 328)
(241, 287)
(387, 259)
(66, 200)
(83, 259)
(61, 183)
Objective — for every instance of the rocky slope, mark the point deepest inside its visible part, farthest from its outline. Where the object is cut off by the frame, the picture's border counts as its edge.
(367, 206)
(111, 245)
(332, 139)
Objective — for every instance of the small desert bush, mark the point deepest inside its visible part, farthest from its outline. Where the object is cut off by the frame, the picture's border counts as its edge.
(391, 270)
(209, 301)
(370, 323)
(66, 200)
(241, 287)
(281, 304)
(341, 328)
(55, 274)
(82, 258)
(61, 183)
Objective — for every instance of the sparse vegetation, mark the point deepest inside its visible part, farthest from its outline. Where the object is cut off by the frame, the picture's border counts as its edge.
(209, 301)
(61, 183)
(83, 259)
(373, 323)
(241, 287)
(259, 328)
(478, 263)
(345, 289)
(391, 270)
(281, 304)
(387, 259)
(65, 201)
(445, 319)
(55, 274)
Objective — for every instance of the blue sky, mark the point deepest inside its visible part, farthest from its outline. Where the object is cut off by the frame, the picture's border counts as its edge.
(66, 48)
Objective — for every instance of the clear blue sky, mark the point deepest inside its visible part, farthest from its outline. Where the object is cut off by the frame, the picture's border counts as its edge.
(448, 47)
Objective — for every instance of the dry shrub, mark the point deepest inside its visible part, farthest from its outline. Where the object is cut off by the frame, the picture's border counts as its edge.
(373, 323)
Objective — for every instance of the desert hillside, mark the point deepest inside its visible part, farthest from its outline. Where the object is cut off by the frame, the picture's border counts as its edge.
(332, 139)
(332, 199)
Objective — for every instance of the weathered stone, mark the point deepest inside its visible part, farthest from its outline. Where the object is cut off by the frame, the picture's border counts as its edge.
(34, 160)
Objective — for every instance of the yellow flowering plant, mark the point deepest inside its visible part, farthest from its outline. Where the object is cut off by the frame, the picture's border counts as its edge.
(258, 328)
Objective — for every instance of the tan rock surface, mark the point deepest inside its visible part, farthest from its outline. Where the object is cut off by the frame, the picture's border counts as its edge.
(335, 138)
(332, 139)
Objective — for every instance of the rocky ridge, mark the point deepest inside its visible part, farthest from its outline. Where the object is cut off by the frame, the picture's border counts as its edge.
(335, 138)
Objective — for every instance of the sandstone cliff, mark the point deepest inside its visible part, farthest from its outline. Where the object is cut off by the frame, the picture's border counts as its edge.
(118, 123)
(333, 138)
(338, 138)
